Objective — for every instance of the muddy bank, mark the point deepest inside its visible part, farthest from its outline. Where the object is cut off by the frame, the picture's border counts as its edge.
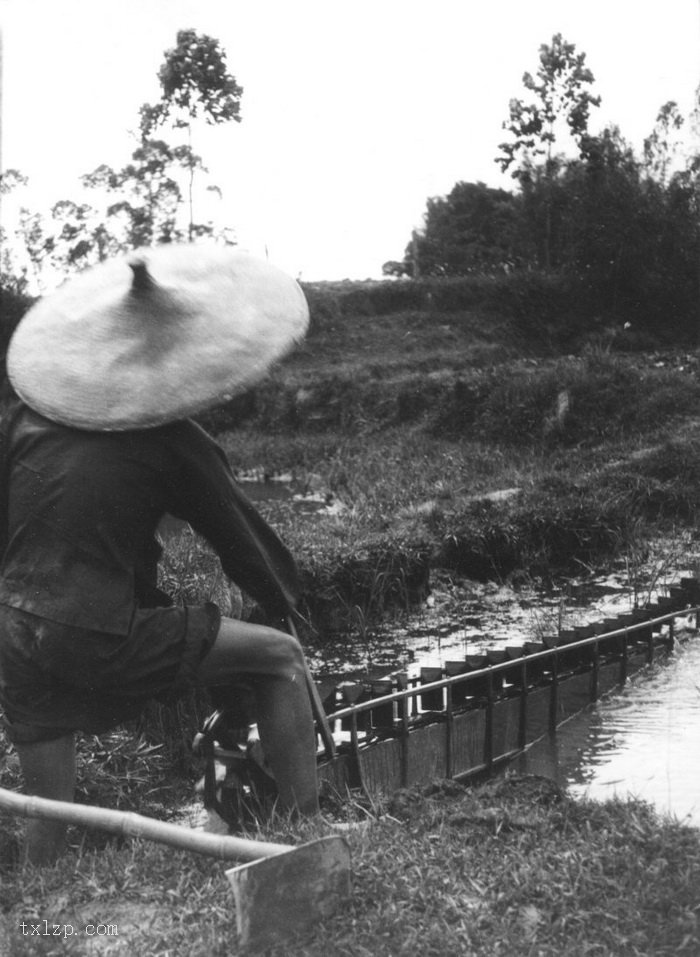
(541, 535)
(355, 579)
(406, 416)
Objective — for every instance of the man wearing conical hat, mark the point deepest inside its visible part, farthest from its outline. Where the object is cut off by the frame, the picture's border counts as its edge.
(97, 447)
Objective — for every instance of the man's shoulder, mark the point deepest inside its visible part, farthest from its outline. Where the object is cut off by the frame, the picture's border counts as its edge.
(191, 435)
(192, 445)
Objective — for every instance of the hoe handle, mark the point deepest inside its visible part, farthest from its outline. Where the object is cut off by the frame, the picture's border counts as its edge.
(129, 824)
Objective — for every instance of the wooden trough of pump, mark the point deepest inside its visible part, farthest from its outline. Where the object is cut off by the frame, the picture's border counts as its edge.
(472, 715)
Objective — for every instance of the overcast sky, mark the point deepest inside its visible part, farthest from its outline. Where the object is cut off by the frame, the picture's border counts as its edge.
(354, 113)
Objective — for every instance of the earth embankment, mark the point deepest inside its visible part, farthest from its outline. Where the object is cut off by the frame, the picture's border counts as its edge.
(411, 405)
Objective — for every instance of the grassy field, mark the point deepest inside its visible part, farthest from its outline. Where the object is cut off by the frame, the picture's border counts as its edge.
(408, 419)
(511, 868)
(409, 422)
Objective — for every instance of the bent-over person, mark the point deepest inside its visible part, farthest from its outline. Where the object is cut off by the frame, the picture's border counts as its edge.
(95, 450)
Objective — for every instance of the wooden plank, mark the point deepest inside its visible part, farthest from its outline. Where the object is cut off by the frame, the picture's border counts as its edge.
(637, 659)
(506, 726)
(574, 694)
(381, 767)
(427, 754)
(468, 740)
(537, 713)
(608, 676)
(338, 773)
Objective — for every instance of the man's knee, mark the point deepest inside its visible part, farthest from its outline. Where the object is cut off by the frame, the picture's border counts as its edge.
(286, 655)
(293, 653)
(242, 648)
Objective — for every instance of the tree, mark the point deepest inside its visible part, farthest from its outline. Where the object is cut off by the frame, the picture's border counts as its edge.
(627, 240)
(11, 179)
(147, 192)
(686, 181)
(84, 237)
(195, 84)
(59, 242)
(140, 203)
(470, 230)
(392, 267)
(38, 242)
(146, 196)
(561, 95)
(74, 243)
(561, 99)
(661, 146)
(13, 276)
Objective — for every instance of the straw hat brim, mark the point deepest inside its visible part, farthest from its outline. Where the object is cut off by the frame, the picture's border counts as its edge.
(155, 336)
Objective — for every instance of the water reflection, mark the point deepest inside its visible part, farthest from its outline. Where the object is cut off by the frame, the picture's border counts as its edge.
(273, 494)
(644, 742)
(479, 617)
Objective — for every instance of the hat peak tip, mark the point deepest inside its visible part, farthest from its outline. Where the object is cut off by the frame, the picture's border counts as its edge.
(141, 280)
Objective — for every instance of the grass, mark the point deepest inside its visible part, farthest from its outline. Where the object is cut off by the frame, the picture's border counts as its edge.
(413, 501)
(407, 416)
(512, 867)
(407, 431)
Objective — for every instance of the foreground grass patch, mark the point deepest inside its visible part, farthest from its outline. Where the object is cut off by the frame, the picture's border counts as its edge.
(510, 868)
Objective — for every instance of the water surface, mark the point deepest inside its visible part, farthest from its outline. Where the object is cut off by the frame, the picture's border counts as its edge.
(643, 742)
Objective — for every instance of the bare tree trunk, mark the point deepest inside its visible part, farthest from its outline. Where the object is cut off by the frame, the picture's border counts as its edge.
(190, 230)
(415, 263)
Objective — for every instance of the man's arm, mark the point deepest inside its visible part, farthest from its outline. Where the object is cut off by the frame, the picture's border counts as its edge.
(250, 551)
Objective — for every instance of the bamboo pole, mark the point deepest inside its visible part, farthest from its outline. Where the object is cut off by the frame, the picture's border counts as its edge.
(130, 824)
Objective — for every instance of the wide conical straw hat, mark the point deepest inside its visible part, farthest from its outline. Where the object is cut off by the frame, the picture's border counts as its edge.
(155, 336)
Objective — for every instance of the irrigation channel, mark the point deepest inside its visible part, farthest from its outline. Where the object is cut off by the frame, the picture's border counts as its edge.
(605, 700)
(634, 735)
(484, 710)
(642, 742)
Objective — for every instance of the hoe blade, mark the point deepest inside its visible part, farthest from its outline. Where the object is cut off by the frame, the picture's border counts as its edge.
(281, 895)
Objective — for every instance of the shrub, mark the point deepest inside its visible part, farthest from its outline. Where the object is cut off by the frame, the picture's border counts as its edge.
(605, 397)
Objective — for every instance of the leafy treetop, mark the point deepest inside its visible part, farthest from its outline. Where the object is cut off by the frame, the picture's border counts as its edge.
(561, 92)
(194, 80)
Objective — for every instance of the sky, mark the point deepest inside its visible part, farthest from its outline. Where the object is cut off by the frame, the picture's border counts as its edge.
(353, 113)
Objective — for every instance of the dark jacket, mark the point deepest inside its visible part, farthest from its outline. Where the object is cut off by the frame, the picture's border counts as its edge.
(79, 512)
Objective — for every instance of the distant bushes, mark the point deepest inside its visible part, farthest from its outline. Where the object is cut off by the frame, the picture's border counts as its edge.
(563, 402)
(567, 402)
(563, 523)
(659, 485)
(540, 301)
(13, 306)
(549, 529)
(559, 310)
(554, 401)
